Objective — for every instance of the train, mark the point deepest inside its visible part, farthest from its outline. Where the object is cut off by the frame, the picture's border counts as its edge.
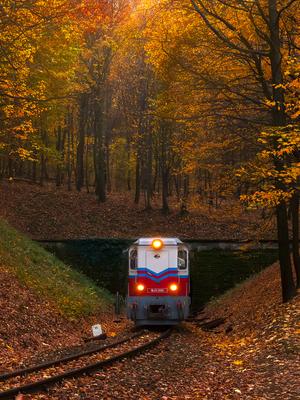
(158, 282)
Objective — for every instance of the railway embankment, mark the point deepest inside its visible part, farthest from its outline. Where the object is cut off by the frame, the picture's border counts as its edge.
(45, 305)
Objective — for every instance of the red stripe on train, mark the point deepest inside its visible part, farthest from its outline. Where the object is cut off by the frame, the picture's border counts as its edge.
(161, 288)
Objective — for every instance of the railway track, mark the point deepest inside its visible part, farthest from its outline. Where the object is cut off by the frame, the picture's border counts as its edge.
(39, 377)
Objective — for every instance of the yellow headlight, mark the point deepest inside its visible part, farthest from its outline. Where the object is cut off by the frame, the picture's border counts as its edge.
(157, 244)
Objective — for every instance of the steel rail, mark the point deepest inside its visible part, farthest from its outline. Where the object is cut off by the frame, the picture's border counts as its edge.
(44, 383)
(75, 356)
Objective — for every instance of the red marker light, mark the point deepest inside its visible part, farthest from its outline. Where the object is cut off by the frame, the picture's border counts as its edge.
(140, 287)
(173, 287)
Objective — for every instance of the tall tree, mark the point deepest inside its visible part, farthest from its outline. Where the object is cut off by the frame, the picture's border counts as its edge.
(259, 43)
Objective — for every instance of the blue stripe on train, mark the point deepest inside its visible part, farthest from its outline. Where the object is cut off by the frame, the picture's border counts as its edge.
(158, 279)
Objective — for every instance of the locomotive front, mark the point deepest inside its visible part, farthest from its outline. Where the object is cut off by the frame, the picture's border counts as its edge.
(158, 286)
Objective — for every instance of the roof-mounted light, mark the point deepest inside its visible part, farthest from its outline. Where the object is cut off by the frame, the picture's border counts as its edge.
(157, 244)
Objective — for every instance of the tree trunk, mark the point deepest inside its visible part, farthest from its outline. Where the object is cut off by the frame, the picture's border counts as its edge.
(295, 227)
(108, 169)
(59, 149)
(87, 171)
(164, 171)
(149, 168)
(99, 153)
(165, 191)
(107, 132)
(137, 179)
(184, 206)
(81, 141)
(128, 150)
(33, 175)
(287, 283)
(43, 168)
(155, 182)
(10, 167)
(69, 129)
(279, 119)
(43, 171)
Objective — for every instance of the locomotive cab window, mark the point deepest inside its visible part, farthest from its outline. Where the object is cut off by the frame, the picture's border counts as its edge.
(133, 259)
(182, 260)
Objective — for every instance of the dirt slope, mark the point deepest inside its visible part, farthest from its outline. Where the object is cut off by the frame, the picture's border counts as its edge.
(31, 325)
(50, 213)
(44, 304)
(28, 323)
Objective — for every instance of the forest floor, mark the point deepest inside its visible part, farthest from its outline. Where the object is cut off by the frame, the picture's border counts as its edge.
(253, 356)
(51, 213)
(31, 325)
(45, 305)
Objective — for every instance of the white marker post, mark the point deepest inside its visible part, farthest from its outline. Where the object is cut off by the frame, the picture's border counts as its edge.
(97, 330)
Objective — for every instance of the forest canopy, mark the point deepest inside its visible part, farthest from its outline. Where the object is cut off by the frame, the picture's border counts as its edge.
(193, 98)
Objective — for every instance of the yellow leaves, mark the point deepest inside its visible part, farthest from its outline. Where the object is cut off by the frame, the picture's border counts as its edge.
(238, 362)
(281, 144)
(227, 344)
(40, 58)
(296, 114)
(270, 103)
(9, 347)
(265, 198)
(25, 154)
(22, 136)
(280, 86)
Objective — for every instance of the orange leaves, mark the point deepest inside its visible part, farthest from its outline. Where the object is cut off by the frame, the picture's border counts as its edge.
(273, 185)
(90, 14)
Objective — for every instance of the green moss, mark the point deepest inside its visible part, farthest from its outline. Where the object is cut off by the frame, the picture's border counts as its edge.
(73, 293)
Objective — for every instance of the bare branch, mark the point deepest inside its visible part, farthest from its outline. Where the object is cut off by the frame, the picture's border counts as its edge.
(258, 31)
(246, 50)
(261, 12)
(288, 5)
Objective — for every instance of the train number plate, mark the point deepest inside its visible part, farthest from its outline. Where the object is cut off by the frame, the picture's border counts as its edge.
(157, 290)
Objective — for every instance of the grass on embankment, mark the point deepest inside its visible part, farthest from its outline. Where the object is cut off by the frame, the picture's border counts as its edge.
(73, 294)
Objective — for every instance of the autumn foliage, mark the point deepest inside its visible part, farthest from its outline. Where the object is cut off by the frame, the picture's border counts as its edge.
(196, 99)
